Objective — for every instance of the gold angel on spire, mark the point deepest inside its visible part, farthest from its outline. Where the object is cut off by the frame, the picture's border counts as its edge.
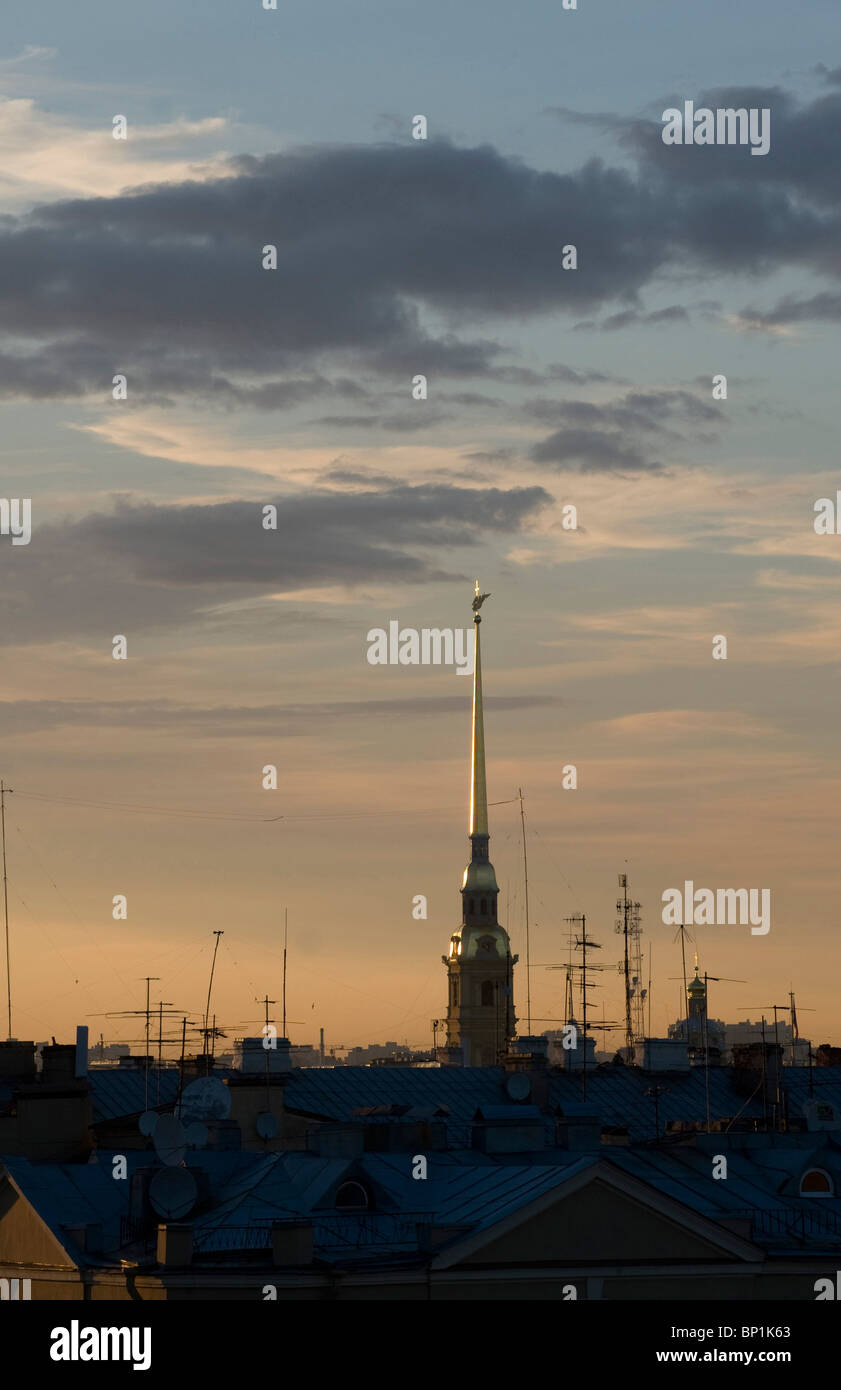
(479, 599)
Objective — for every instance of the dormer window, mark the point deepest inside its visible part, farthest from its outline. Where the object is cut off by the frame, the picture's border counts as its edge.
(816, 1183)
(351, 1196)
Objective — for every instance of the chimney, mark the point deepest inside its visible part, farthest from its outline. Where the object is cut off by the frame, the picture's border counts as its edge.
(578, 1132)
(87, 1235)
(341, 1139)
(175, 1245)
(139, 1183)
(292, 1243)
(81, 1067)
(59, 1062)
(662, 1054)
(201, 1064)
(750, 1061)
(17, 1059)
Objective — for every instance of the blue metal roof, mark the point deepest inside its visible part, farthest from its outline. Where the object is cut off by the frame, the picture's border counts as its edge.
(335, 1092)
(615, 1093)
(118, 1091)
(464, 1190)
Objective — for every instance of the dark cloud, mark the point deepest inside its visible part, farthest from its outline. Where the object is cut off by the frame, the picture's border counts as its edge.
(792, 309)
(592, 451)
(350, 422)
(610, 436)
(605, 121)
(148, 566)
(20, 717)
(321, 538)
(165, 283)
(831, 75)
(489, 455)
(412, 421)
(636, 410)
(81, 368)
(633, 318)
(354, 477)
(556, 371)
(802, 162)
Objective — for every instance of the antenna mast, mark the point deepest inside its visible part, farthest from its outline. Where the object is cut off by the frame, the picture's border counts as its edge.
(217, 934)
(581, 944)
(285, 935)
(148, 979)
(635, 994)
(4, 792)
(526, 874)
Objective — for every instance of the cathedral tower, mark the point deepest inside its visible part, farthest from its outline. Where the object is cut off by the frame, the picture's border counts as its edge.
(696, 1014)
(480, 967)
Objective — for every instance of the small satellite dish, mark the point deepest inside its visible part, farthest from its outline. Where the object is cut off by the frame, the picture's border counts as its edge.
(146, 1123)
(196, 1135)
(173, 1193)
(267, 1125)
(170, 1140)
(518, 1086)
(207, 1098)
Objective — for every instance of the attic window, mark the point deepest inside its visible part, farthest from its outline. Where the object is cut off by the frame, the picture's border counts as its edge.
(816, 1183)
(351, 1196)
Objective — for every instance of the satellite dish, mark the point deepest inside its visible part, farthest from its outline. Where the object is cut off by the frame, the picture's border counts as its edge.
(267, 1125)
(518, 1086)
(170, 1140)
(208, 1098)
(173, 1193)
(146, 1123)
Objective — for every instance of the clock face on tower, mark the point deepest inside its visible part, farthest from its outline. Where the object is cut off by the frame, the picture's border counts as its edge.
(486, 946)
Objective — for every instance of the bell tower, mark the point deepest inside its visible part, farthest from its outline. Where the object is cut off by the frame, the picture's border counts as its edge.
(480, 966)
(696, 1014)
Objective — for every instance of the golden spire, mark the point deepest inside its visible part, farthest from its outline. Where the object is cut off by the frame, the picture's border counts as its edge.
(478, 786)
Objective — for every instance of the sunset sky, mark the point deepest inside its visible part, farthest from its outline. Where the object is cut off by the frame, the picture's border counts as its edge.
(547, 387)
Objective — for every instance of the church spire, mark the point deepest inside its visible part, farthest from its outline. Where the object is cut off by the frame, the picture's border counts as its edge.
(478, 827)
(478, 784)
(480, 1012)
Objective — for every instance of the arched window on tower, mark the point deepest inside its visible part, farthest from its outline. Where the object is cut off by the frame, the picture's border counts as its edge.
(484, 907)
(472, 907)
(487, 992)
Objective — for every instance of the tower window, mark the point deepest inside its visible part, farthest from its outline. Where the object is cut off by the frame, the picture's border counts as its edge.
(472, 906)
(487, 992)
(484, 907)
